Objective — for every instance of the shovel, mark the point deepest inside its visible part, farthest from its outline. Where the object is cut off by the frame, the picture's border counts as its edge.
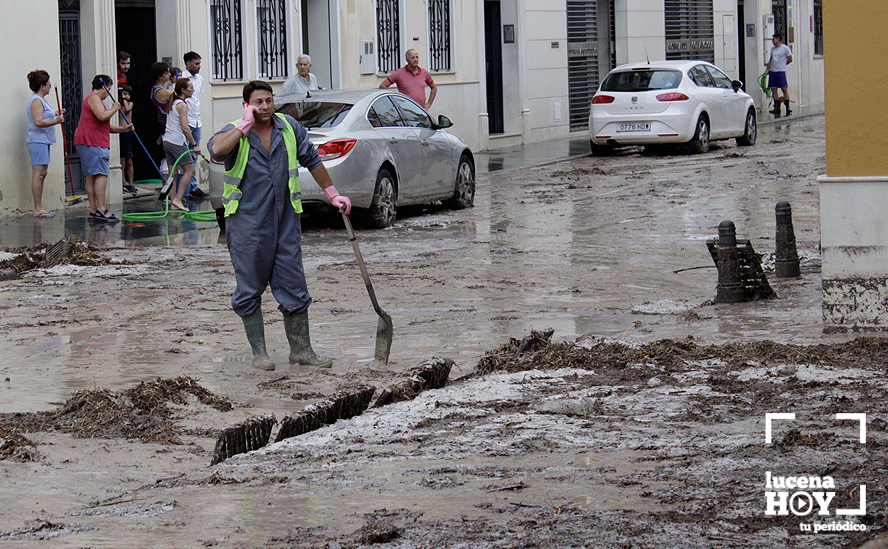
(384, 330)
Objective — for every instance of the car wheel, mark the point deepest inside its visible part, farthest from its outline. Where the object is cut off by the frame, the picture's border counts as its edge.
(700, 143)
(384, 206)
(601, 150)
(464, 192)
(750, 132)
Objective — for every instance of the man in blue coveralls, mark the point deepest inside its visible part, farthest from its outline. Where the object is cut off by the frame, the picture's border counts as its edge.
(261, 153)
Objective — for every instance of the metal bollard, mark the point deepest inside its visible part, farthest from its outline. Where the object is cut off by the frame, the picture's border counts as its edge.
(786, 255)
(730, 283)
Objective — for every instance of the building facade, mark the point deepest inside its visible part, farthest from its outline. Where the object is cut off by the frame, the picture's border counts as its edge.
(854, 190)
(508, 71)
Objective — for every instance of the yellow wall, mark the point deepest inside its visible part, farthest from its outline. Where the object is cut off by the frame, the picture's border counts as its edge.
(855, 47)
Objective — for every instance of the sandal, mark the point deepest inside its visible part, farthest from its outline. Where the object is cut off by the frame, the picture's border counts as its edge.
(103, 216)
(46, 214)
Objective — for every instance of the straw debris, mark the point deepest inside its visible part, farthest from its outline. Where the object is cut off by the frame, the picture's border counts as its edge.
(537, 351)
(141, 413)
(76, 252)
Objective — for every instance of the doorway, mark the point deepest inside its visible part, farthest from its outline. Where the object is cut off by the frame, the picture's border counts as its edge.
(137, 35)
(590, 31)
(493, 56)
(316, 40)
(741, 46)
(70, 83)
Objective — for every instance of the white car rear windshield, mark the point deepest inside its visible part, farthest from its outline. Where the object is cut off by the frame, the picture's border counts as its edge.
(641, 80)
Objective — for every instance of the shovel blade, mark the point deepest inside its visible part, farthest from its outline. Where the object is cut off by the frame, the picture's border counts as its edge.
(385, 331)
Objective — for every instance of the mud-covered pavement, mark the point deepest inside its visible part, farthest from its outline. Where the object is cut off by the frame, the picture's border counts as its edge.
(663, 451)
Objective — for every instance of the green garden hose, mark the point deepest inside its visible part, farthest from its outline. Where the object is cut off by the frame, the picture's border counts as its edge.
(763, 82)
(204, 216)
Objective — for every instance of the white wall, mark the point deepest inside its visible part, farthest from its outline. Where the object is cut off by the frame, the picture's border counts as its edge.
(545, 68)
(853, 228)
(640, 27)
(35, 28)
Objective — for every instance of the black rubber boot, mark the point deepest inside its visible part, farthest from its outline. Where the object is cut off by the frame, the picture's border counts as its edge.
(296, 326)
(786, 104)
(256, 336)
(776, 109)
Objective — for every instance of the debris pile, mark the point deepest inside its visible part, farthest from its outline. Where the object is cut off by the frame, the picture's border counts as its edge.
(15, 447)
(73, 251)
(537, 352)
(141, 413)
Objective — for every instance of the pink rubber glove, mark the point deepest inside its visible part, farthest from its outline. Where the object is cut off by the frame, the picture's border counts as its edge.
(249, 117)
(337, 199)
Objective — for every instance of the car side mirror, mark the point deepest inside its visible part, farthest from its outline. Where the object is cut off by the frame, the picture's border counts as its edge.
(444, 122)
(737, 85)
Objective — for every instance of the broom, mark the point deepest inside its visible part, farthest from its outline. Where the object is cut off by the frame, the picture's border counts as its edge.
(74, 198)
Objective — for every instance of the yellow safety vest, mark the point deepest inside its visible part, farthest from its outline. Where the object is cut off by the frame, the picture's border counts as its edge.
(232, 194)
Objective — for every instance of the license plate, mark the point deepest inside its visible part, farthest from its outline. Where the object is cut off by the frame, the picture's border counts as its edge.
(634, 127)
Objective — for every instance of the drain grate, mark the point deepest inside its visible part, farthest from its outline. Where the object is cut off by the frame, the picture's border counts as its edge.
(55, 253)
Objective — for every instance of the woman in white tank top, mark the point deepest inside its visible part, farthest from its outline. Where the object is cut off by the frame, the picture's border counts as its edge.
(177, 139)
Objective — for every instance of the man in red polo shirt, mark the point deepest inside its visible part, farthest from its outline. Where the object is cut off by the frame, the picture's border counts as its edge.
(412, 79)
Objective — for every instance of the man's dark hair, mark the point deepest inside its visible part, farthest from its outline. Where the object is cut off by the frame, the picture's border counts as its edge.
(124, 87)
(191, 56)
(157, 69)
(778, 36)
(101, 79)
(123, 56)
(254, 85)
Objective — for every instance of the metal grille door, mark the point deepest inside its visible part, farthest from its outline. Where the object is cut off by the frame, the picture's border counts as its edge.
(582, 59)
(71, 86)
(690, 30)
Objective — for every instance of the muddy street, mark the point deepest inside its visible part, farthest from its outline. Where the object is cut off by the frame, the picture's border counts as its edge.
(603, 436)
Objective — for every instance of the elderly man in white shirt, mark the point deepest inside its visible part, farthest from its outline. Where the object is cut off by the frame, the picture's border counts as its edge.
(303, 81)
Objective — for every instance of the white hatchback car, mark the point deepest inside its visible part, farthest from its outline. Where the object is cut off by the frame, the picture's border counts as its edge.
(669, 102)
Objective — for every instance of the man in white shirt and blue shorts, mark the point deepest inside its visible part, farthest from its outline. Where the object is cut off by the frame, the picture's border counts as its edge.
(781, 56)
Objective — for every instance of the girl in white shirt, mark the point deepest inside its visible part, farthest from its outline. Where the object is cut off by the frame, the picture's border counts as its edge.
(177, 139)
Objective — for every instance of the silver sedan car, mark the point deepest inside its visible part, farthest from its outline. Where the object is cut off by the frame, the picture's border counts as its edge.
(382, 151)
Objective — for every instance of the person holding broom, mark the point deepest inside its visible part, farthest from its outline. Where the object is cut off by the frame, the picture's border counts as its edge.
(93, 142)
(41, 135)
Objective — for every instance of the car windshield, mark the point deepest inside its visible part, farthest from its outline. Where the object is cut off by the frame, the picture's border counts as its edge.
(641, 80)
(317, 114)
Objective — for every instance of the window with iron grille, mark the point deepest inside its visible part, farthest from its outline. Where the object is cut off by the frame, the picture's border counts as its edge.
(818, 27)
(388, 35)
(228, 62)
(439, 35)
(271, 33)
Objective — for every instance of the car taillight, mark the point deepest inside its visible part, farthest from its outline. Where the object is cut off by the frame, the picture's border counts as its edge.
(672, 96)
(599, 99)
(334, 149)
